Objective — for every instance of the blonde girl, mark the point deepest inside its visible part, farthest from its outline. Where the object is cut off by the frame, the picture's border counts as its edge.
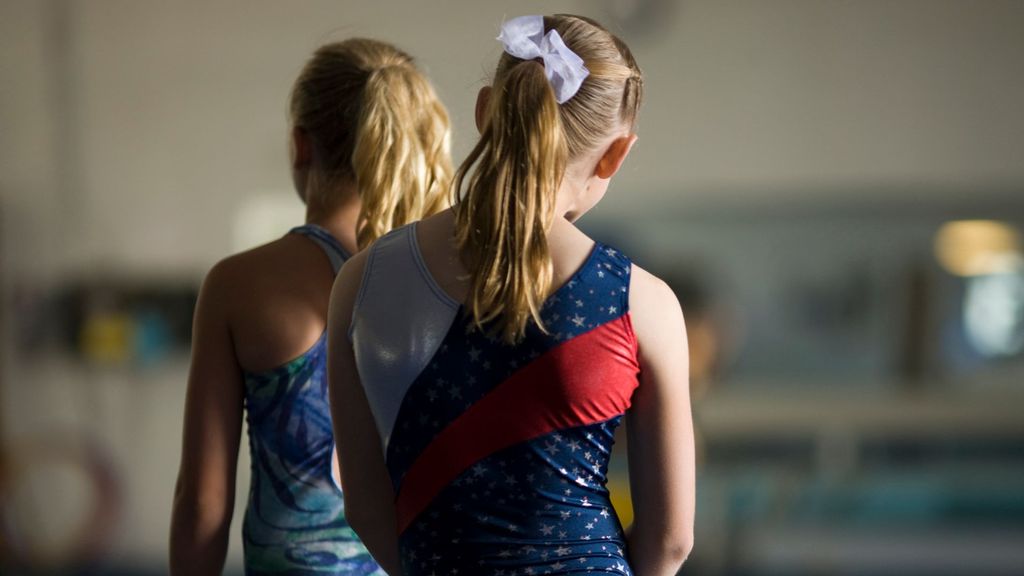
(369, 152)
(481, 359)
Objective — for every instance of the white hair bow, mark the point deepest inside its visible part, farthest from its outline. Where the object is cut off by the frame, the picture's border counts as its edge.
(524, 38)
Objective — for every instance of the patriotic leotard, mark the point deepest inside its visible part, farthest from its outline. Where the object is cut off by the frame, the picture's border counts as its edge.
(295, 519)
(498, 454)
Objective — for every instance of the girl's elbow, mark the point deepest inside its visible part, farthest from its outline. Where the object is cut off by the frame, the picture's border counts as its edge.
(677, 547)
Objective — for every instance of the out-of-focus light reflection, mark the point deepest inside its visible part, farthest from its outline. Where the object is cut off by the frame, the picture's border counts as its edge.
(978, 247)
(994, 313)
(988, 254)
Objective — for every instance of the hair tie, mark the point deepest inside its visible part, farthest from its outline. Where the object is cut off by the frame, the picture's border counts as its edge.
(524, 38)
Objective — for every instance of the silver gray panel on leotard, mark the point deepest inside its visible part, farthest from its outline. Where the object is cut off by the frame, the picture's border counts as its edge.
(399, 320)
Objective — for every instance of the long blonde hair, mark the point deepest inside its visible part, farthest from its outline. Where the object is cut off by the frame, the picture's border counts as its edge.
(511, 177)
(373, 117)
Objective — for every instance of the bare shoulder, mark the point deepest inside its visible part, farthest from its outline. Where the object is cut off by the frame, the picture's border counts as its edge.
(252, 260)
(648, 292)
(656, 315)
(351, 274)
(346, 286)
(228, 279)
(222, 281)
(570, 249)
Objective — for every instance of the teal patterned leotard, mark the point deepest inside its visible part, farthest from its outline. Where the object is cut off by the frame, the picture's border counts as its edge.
(295, 520)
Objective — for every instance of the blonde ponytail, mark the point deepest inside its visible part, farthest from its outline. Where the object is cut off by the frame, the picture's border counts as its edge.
(375, 119)
(509, 182)
(502, 223)
(400, 161)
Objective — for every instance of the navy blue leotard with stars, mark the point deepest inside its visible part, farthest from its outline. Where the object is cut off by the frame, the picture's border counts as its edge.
(498, 454)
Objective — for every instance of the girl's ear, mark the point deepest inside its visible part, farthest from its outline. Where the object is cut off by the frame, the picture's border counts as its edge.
(302, 149)
(614, 156)
(483, 98)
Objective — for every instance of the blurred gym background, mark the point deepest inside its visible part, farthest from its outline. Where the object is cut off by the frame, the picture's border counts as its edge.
(834, 188)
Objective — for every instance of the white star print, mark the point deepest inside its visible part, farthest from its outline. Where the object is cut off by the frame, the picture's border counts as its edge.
(578, 320)
(546, 529)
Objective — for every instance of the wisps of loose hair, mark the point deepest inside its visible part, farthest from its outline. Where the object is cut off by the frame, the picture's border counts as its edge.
(509, 182)
(373, 117)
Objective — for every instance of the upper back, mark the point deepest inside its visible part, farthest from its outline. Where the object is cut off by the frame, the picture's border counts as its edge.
(445, 395)
(407, 315)
(278, 296)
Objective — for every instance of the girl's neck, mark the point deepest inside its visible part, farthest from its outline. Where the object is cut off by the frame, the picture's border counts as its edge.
(340, 220)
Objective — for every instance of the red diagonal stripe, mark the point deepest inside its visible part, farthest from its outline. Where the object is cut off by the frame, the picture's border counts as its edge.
(585, 380)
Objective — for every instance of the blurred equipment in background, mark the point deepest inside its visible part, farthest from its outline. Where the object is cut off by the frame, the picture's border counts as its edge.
(857, 374)
(978, 247)
(987, 255)
(60, 502)
(108, 322)
(706, 324)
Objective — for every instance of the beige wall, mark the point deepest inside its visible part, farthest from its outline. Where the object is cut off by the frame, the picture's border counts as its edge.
(132, 134)
(173, 114)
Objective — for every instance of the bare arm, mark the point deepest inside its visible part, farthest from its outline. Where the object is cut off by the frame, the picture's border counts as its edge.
(369, 498)
(205, 492)
(660, 433)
